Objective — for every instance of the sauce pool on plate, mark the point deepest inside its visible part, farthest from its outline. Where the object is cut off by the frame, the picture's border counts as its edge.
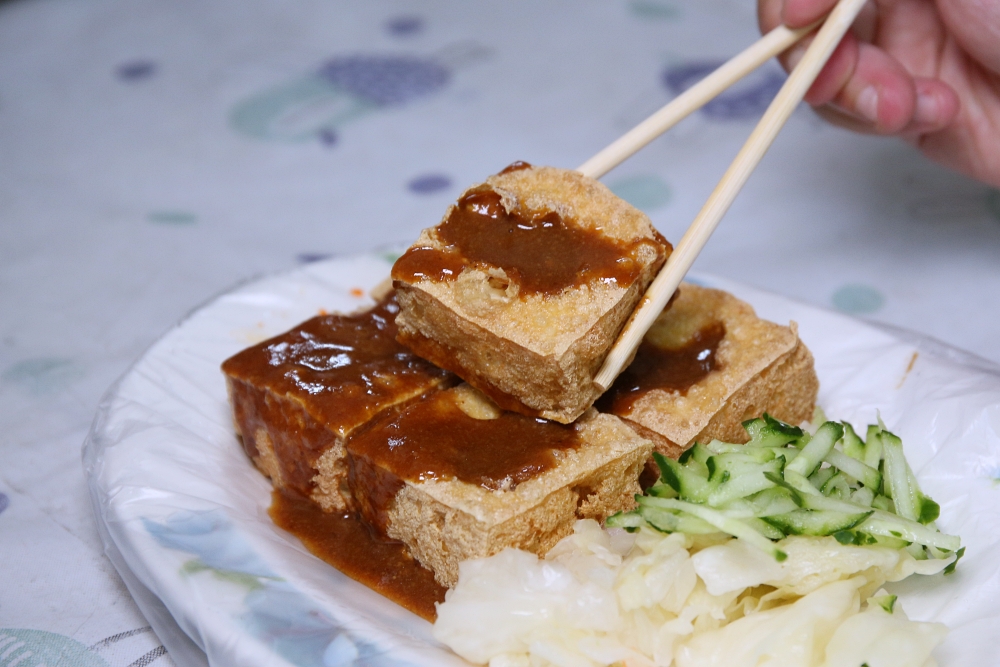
(345, 542)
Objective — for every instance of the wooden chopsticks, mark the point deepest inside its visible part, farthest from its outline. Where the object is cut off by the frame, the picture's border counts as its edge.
(781, 108)
(770, 45)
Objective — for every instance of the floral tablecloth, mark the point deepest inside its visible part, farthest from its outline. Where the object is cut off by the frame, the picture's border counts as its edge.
(155, 154)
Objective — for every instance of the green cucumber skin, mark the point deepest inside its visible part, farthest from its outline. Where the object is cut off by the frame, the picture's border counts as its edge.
(817, 448)
(786, 482)
(817, 523)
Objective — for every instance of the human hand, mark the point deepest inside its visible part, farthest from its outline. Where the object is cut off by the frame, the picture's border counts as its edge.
(924, 70)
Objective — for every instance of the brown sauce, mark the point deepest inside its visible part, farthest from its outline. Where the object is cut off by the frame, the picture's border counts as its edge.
(669, 369)
(539, 251)
(343, 369)
(431, 263)
(515, 166)
(432, 439)
(373, 490)
(296, 439)
(345, 542)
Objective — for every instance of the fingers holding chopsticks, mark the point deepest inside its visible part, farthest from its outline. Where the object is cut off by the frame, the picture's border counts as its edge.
(883, 77)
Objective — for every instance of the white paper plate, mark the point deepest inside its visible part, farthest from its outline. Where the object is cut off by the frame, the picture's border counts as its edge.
(183, 513)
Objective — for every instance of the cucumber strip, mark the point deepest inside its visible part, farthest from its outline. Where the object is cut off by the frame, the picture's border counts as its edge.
(767, 431)
(734, 527)
(630, 521)
(905, 496)
(788, 454)
(667, 521)
(863, 496)
(793, 492)
(719, 447)
(765, 529)
(864, 539)
(854, 446)
(783, 427)
(776, 500)
(800, 483)
(668, 471)
(880, 502)
(661, 490)
(821, 502)
(873, 446)
(697, 452)
(686, 454)
(745, 484)
(687, 483)
(884, 541)
(816, 523)
(800, 444)
(737, 464)
(822, 476)
(837, 487)
(741, 452)
(927, 510)
(698, 467)
(865, 474)
(885, 524)
(891, 525)
(714, 472)
(938, 554)
(816, 449)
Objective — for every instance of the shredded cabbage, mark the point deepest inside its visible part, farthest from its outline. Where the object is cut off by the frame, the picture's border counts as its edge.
(607, 597)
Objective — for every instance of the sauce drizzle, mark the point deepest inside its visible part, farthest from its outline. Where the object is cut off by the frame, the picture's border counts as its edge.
(342, 368)
(432, 439)
(539, 250)
(669, 369)
(515, 166)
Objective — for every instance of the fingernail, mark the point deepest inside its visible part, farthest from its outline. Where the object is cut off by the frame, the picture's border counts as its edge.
(866, 104)
(927, 110)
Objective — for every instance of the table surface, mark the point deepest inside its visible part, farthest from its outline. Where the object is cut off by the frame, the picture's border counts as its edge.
(156, 154)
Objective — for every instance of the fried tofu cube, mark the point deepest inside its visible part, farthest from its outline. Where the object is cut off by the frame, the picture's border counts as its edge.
(453, 477)
(707, 365)
(297, 397)
(525, 285)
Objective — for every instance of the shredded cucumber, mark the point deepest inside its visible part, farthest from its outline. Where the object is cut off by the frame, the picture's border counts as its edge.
(785, 481)
(887, 602)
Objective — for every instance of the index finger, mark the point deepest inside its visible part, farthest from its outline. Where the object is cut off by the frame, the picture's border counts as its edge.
(800, 13)
(772, 13)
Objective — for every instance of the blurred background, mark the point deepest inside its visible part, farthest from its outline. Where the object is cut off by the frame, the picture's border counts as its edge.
(155, 154)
